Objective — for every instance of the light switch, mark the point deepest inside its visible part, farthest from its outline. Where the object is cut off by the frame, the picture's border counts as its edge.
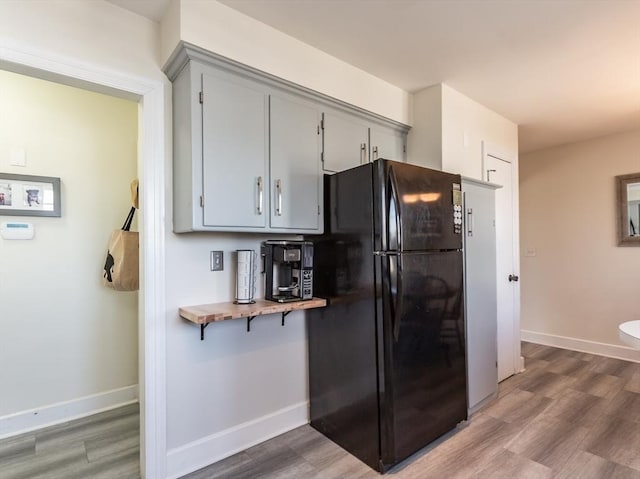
(17, 157)
(217, 261)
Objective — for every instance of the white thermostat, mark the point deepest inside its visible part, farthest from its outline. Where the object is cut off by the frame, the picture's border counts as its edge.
(16, 230)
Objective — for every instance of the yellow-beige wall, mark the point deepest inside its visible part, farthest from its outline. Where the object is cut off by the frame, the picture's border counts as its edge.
(64, 338)
(579, 285)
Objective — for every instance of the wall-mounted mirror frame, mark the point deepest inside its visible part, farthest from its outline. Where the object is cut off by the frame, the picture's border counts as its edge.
(628, 219)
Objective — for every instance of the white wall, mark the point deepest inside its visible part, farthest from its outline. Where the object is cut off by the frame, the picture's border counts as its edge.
(450, 129)
(424, 142)
(579, 285)
(65, 336)
(95, 33)
(466, 125)
(227, 32)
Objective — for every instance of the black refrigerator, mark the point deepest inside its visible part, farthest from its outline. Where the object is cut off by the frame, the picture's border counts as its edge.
(387, 369)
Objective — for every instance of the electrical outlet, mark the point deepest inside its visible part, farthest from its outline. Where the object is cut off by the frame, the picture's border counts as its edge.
(217, 263)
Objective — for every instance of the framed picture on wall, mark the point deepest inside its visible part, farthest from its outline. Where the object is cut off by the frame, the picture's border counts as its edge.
(28, 195)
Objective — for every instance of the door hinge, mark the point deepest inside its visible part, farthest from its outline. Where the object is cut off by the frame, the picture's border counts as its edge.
(201, 201)
(318, 210)
(322, 124)
(322, 156)
(404, 148)
(201, 98)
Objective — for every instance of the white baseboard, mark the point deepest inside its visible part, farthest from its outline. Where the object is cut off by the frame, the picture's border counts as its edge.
(210, 449)
(582, 345)
(32, 419)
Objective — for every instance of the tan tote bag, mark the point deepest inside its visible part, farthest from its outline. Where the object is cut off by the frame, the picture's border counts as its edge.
(121, 265)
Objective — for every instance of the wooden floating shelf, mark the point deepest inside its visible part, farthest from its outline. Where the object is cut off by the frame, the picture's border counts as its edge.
(204, 314)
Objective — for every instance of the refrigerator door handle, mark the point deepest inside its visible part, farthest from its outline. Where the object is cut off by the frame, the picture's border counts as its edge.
(394, 200)
(397, 294)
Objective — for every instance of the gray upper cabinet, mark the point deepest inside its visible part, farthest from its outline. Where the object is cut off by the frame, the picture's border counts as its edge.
(246, 157)
(295, 164)
(351, 140)
(250, 148)
(234, 152)
(346, 141)
(387, 143)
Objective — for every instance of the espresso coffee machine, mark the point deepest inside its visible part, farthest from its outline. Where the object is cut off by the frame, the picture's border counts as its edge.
(288, 266)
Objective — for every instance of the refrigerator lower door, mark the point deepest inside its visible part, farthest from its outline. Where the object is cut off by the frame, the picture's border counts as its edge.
(422, 351)
(343, 387)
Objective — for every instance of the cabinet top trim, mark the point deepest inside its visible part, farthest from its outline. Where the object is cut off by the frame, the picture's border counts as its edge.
(186, 52)
(474, 181)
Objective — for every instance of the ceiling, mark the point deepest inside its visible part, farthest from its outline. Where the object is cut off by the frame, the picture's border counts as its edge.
(563, 70)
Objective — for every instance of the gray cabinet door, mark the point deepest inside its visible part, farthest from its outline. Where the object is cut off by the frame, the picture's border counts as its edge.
(387, 143)
(235, 152)
(480, 292)
(345, 142)
(295, 164)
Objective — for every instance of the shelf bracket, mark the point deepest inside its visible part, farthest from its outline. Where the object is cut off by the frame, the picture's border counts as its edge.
(202, 326)
(249, 319)
(284, 314)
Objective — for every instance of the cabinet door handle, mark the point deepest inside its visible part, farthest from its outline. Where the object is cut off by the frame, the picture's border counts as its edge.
(278, 198)
(260, 194)
(363, 153)
(469, 221)
(375, 152)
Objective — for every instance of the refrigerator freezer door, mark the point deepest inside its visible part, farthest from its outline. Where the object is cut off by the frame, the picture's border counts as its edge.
(423, 366)
(415, 208)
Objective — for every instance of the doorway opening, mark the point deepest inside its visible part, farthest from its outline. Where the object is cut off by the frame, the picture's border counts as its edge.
(152, 98)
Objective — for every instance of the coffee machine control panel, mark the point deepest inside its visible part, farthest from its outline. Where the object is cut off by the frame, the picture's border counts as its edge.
(307, 284)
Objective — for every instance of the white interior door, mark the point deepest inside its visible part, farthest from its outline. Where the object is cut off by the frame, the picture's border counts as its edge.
(501, 172)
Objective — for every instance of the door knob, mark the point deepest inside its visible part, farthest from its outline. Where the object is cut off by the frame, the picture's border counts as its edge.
(513, 277)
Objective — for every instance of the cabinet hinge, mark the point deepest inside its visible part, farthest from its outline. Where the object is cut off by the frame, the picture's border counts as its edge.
(322, 156)
(322, 124)
(201, 98)
(201, 201)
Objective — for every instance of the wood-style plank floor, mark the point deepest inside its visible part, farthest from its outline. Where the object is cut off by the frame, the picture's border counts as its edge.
(102, 446)
(570, 415)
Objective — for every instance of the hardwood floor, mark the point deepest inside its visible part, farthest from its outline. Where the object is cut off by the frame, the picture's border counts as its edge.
(102, 446)
(569, 415)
